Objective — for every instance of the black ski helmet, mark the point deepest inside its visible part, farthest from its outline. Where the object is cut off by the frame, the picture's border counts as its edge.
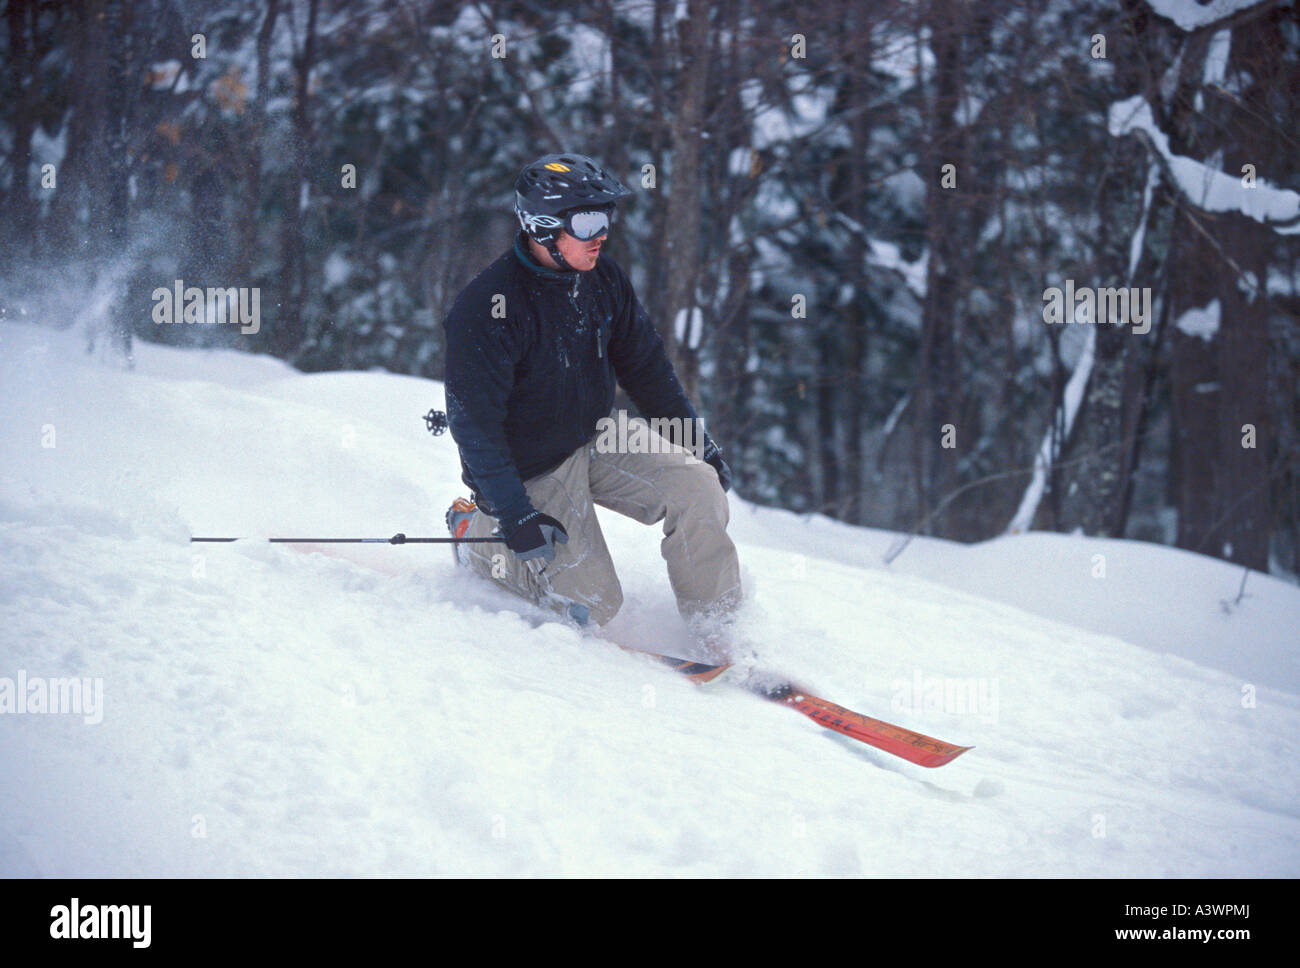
(554, 184)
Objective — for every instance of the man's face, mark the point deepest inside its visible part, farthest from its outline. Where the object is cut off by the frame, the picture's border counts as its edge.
(578, 254)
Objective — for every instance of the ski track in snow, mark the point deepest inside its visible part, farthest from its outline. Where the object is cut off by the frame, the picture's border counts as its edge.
(273, 710)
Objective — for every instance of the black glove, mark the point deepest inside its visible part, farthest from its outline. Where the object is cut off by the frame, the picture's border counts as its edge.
(534, 535)
(713, 457)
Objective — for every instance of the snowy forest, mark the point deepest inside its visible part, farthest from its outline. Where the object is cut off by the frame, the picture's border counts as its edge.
(948, 267)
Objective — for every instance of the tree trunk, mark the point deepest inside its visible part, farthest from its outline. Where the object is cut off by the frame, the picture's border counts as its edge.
(684, 244)
(935, 394)
(252, 160)
(291, 322)
(858, 26)
(18, 206)
(828, 451)
(1241, 533)
(1220, 385)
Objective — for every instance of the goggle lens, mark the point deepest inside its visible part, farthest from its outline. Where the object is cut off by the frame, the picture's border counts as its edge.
(585, 226)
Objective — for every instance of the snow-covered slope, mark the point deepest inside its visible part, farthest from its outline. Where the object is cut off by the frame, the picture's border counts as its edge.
(272, 710)
(1164, 598)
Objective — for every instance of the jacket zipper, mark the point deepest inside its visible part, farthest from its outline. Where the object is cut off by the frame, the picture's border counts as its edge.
(582, 390)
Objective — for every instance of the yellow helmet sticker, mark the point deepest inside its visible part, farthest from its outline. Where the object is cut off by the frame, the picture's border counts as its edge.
(556, 166)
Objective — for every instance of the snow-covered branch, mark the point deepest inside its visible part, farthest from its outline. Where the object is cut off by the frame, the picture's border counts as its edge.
(1190, 15)
(888, 256)
(1200, 185)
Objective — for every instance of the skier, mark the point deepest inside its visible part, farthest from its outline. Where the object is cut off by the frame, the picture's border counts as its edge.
(535, 344)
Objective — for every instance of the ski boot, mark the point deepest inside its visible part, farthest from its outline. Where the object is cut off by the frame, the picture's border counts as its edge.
(459, 515)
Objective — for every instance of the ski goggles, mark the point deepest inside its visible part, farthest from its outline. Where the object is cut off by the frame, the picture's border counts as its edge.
(585, 224)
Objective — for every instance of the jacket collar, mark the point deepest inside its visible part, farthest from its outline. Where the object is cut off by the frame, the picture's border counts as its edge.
(525, 257)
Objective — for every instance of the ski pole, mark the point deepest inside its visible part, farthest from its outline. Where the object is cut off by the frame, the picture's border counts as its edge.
(396, 539)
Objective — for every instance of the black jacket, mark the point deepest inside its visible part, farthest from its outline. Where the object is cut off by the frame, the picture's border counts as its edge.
(526, 386)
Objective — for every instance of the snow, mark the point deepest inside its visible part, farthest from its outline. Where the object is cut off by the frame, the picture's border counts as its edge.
(1280, 283)
(590, 57)
(1203, 186)
(889, 256)
(47, 150)
(901, 54)
(1165, 600)
(639, 13)
(906, 189)
(777, 206)
(1200, 321)
(469, 31)
(276, 710)
(1139, 237)
(688, 325)
(774, 125)
(162, 74)
(1216, 58)
(967, 110)
(740, 162)
(895, 414)
(337, 270)
(1216, 65)
(1191, 15)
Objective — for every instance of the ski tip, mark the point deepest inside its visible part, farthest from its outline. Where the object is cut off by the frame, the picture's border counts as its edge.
(943, 759)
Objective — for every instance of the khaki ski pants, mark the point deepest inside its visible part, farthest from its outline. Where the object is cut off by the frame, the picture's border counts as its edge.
(671, 486)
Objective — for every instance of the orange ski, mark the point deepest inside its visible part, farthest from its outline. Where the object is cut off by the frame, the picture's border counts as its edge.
(908, 744)
(911, 746)
(695, 671)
